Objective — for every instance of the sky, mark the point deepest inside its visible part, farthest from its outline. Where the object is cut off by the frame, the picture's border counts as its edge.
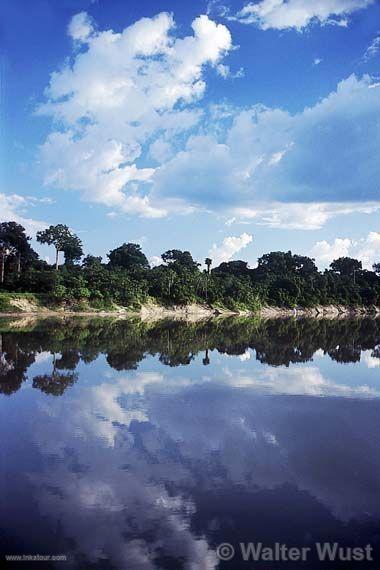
(227, 128)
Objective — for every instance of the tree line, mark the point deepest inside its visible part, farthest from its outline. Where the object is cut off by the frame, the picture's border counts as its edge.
(126, 278)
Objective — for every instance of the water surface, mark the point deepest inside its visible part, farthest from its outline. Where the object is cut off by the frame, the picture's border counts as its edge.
(145, 445)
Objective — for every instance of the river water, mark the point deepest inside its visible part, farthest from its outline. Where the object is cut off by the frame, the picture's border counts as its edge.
(138, 445)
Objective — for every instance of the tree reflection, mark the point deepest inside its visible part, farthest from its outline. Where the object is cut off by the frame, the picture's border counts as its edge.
(125, 343)
(376, 352)
(14, 362)
(206, 359)
(56, 383)
(69, 360)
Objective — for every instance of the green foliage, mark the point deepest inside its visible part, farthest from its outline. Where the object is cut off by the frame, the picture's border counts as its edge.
(346, 266)
(5, 303)
(36, 280)
(280, 278)
(208, 263)
(63, 240)
(237, 268)
(129, 256)
(283, 264)
(180, 259)
(14, 235)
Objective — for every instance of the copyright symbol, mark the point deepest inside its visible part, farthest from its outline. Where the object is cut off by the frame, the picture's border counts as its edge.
(225, 551)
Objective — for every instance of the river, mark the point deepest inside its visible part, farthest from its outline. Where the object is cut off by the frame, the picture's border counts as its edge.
(139, 445)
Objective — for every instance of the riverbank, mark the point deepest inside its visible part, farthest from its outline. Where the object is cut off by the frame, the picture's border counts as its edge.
(13, 305)
(31, 305)
(268, 312)
(320, 311)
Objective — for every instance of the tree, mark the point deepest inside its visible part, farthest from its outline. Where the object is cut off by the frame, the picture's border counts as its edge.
(284, 292)
(280, 278)
(92, 261)
(14, 236)
(208, 263)
(63, 240)
(129, 256)
(238, 268)
(5, 251)
(180, 259)
(304, 266)
(73, 250)
(346, 266)
(282, 264)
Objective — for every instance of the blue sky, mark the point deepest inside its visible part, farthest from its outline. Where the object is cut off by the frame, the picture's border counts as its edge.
(227, 128)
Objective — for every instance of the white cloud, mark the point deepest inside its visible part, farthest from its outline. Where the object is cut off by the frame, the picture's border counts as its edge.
(298, 14)
(300, 216)
(220, 111)
(299, 381)
(125, 105)
(120, 91)
(369, 360)
(325, 252)
(373, 49)
(100, 494)
(12, 209)
(228, 248)
(96, 484)
(81, 27)
(245, 356)
(366, 250)
(155, 260)
(317, 61)
(161, 150)
(225, 72)
(295, 170)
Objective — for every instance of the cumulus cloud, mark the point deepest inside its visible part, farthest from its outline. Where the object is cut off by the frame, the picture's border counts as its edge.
(325, 252)
(324, 156)
(161, 150)
(128, 133)
(228, 248)
(80, 27)
(119, 92)
(298, 14)
(13, 208)
(367, 250)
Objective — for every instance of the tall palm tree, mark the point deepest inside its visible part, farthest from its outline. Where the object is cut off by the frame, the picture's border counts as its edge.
(5, 251)
(208, 262)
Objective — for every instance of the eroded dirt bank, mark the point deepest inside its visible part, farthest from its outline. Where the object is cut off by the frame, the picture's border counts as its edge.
(193, 312)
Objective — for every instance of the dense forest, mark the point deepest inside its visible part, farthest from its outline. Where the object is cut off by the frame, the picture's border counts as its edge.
(126, 278)
(125, 343)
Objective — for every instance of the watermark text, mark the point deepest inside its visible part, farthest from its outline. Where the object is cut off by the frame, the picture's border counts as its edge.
(324, 551)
